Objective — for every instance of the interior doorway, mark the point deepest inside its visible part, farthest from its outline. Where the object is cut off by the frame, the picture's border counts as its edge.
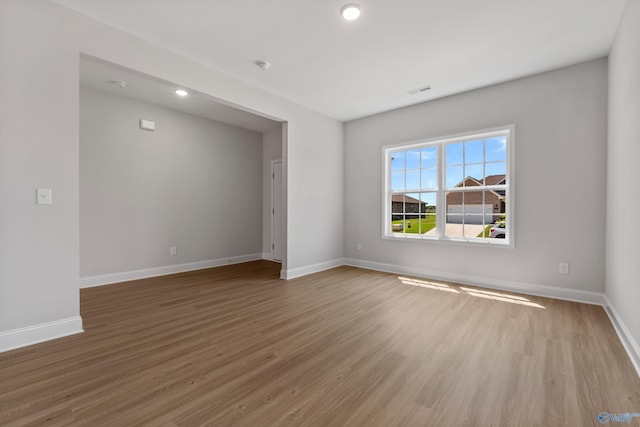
(167, 244)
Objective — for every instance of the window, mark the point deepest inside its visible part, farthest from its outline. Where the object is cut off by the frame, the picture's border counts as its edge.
(454, 188)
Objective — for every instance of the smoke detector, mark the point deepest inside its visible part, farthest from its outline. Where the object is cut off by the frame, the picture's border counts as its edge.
(119, 83)
(263, 65)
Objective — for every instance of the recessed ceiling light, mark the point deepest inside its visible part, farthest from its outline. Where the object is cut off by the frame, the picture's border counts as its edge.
(181, 92)
(350, 11)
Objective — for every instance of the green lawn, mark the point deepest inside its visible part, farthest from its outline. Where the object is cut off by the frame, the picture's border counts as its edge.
(422, 225)
(486, 232)
(418, 225)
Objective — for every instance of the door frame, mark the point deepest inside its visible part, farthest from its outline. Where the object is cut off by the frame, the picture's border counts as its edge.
(273, 164)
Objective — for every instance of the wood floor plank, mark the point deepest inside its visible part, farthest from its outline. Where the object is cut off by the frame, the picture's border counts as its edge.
(238, 346)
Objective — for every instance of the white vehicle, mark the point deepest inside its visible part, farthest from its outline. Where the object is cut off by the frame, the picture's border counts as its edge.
(498, 231)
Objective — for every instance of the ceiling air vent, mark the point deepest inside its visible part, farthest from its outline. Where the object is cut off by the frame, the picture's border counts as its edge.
(418, 90)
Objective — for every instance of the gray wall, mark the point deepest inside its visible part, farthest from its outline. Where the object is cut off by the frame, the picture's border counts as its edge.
(271, 150)
(560, 119)
(38, 148)
(40, 45)
(623, 155)
(193, 183)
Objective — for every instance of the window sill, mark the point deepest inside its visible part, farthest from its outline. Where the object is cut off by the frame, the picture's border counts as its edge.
(495, 243)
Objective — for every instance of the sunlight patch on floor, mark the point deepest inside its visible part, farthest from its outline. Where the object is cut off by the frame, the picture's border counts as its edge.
(479, 293)
(500, 296)
(426, 284)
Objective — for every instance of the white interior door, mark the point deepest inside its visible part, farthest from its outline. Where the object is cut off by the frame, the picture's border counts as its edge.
(277, 226)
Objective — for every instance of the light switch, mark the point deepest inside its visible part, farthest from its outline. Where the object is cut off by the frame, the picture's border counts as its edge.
(43, 196)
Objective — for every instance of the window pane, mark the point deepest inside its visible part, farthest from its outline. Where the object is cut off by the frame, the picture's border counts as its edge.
(467, 214)
(397, 213)
(397, 203)
(429, 157)
(413, 159)
(485, 232)
(454, 202)
(452, 228)
(494, 202)
(454, 176)
(486, 215)
(497, 171)
(494, 179)
(417, 183)
(474, 151)
(499, 206)
(413, 179)
(429, 179)
(476, 172)
(428, 211)
(397, 160)
(397, 224)
(472, 229)
(496, 149)
(412, 204)
(397, 181)
(499, 229)
(473, 207)
(498, 232)
(428, 202)
(412, 213)
(454, 154)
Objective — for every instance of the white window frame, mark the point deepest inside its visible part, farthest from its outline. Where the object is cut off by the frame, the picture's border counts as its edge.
(441, 189)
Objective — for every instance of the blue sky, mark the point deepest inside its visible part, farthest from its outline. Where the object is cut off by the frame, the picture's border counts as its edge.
(477, 158)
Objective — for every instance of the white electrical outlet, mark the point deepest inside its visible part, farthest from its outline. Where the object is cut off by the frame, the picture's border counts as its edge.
(563, 268)
(173, 251)
(43, 196)
(359, 246)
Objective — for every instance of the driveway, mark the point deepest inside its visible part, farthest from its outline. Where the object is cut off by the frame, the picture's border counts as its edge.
(459, 230)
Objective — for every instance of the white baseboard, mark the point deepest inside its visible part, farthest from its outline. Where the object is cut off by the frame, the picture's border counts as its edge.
(267, 256)
(292, 273)
(106, 279)
(22, 337)
(629, 343)
(587, 297)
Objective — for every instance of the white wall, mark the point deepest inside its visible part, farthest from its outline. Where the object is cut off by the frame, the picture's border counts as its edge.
(38, 148)
(193, 183)
(39, 52)
(317, 193)
(271, 150)
(623, 155)
(560, 119)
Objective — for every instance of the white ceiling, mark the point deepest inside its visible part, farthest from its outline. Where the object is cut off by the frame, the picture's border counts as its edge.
(100, 75)
(348, 70)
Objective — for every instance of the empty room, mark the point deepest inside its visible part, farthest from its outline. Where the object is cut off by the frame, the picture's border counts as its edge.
(269, 213)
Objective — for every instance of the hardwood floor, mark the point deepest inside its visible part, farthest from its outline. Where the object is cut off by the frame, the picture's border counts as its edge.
(237, 346)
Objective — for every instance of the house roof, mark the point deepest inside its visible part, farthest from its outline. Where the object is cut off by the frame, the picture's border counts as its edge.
(489, 180)
(399, 198)
(495, 179)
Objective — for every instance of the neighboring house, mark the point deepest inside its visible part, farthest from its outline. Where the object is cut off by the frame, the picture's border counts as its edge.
(411, 207)
(475, 212)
